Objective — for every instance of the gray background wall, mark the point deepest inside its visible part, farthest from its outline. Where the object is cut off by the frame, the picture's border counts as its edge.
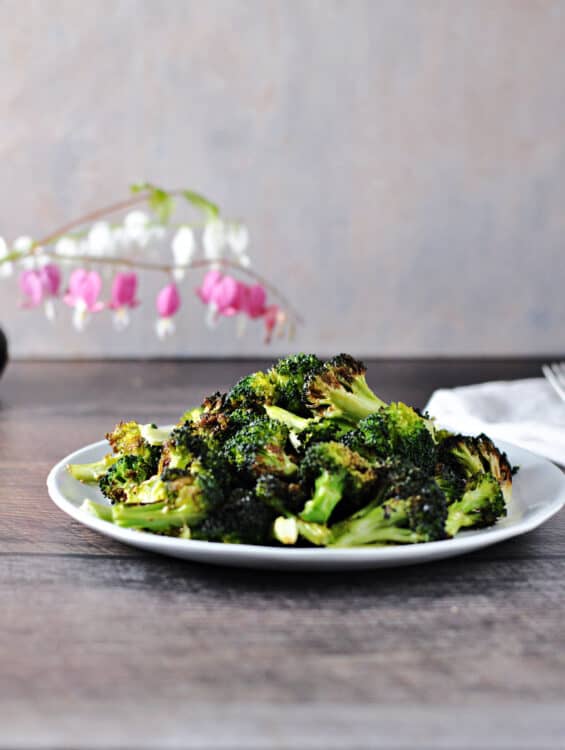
(401, 163)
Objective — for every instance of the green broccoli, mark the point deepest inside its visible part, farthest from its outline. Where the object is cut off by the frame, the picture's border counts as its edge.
(260, 448)
(334, 472)
(395, 430)
(251, 392)
(123, 476)
(288, 376)
(340, 390)
(241, 519)
(92, 472)
(482, 504)
(414, 510)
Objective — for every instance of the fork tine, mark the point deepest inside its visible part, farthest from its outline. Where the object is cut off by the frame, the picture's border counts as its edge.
(553, 381)
(559, 370)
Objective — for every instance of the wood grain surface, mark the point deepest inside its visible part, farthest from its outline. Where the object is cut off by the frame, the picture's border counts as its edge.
(103, 646)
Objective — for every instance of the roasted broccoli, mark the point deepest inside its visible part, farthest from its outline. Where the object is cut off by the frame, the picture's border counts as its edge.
(301, 454)
(474, 455)
(333, 471)
(260, 448)
(414, 510)
(241, 519)
(124, 476)
(340, 390)
(395, 430)
(482, 504)
(288, 376)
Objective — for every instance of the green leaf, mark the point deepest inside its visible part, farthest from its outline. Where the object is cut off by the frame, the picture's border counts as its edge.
(160, 201)
(202, 203)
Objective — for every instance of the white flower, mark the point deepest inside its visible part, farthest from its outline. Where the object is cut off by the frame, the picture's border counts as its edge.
(237, 238)
(66, 247)
(183, 247)
(81, 316)
(49, 307)
(135, 227)
(121, 319)
(22, 245)
(100, 239)
(165, 327)
(6, 269)
(214, 239)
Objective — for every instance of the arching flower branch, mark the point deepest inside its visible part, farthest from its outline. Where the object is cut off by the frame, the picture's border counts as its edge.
(91, 248)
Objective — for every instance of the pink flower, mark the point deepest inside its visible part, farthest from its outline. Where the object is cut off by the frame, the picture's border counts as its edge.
(82, 294)
(168, 303)
(50, 276)
(32, 288)
(123, 298)
(254, 301)
(272, 317)
(41, 286)
(228, 295)
(209, 283)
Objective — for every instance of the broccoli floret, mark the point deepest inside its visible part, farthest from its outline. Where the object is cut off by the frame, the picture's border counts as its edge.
(180, 498)
(286, 498)
(307, 431)
(482, 504)
(334, 471)
(340, 390)
(414, 511)
(185, 444)
(127, 439)
(260, 448)
(289, 375)
(92, 472)
(475, 455)
(450, 481)
(123, 476)
(396, 430)
(241, 519)
(252, 392)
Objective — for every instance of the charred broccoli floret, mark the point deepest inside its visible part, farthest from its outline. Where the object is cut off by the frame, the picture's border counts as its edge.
(180, 498)
(133, 439)
(340, 390)
(123, 476)
(474, 455)
(260, 448)
(252, 392)
(241, 519)
(482, 504)
(284, 497)
(413, 510)
(305, 431)
(395, 430)
(289, 375)
(334, 471)
(450, 481)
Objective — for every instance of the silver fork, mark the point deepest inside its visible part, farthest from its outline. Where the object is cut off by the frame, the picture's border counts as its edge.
(555, 376)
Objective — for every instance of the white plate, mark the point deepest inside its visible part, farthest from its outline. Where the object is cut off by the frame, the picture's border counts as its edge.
(539, 492)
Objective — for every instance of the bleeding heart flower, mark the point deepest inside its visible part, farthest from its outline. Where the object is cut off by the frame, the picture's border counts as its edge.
(183, 247)
(82, 294)
(50, 276)
(168, 303)
(124, 288)
(273, 317)
(209, 282)
(32, 288)
(254, 301)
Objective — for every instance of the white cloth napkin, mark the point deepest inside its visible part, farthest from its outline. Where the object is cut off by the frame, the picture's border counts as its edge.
(525, 412)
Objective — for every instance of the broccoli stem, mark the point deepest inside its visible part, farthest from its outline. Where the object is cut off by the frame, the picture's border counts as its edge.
(358, 404)
(373, 527)
(104, 512)
(292, 421)
(91, 473)
(465, 513)
(154, 435)
(156, 516)
(328, 490)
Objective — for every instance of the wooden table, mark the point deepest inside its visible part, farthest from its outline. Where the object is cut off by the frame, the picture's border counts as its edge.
(103, 646)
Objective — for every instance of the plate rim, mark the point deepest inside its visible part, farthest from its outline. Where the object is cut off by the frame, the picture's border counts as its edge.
(400, 554)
